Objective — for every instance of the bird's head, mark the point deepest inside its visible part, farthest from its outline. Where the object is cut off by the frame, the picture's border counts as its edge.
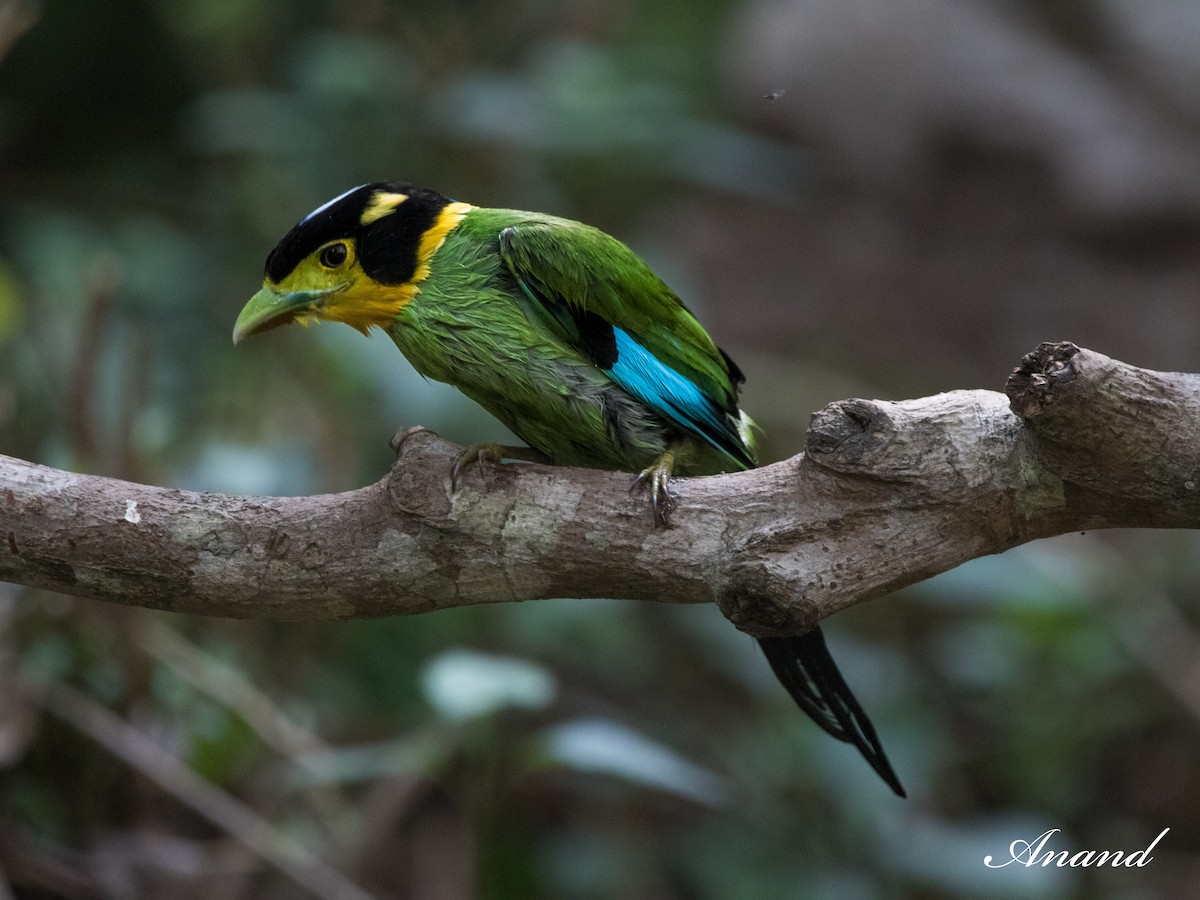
(357, 259)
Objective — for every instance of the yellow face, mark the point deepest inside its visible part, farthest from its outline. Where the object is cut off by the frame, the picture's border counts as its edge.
(332, 267)
(330, 283)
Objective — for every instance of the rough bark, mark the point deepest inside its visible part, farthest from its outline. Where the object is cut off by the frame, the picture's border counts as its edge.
(886, 494)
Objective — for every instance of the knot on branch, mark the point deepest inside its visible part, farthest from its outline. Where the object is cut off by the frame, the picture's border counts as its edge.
(1032, 385)
(419, 481)
(925, 448)
(844, 434)
(1112, 428)
(763, 605)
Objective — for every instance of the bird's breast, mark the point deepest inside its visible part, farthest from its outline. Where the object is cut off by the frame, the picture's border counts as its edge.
(479, 339)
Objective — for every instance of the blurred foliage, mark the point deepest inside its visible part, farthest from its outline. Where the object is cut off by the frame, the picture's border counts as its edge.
(854, 197)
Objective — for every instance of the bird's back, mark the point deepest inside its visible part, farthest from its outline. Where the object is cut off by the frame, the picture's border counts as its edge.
(478, 325)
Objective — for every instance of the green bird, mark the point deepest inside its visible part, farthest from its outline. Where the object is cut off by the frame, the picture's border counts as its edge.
(563, 334)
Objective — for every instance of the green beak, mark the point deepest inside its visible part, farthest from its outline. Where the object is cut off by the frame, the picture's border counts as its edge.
(268, 309)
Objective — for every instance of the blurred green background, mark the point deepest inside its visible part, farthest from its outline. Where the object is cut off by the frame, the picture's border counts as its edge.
(881, 198)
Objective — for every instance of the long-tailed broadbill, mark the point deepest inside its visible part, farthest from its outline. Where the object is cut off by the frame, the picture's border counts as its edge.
(563, 334)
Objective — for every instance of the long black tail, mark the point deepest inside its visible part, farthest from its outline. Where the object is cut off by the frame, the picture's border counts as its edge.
(806, 669)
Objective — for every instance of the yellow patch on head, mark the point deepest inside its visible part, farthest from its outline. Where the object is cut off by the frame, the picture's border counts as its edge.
(382, 204)
(435, 236)
(369, 303)
(366, 303)
(312, 275)
(345, 293)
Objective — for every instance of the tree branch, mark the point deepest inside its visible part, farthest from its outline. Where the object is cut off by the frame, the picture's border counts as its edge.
(885, 495)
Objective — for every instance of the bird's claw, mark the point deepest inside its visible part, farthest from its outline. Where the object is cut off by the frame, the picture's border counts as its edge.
(478, 453)
(495, 453)
(656, 481)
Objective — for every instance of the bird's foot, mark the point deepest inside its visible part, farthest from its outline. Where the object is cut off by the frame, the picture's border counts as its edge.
(477, 453)
(656, 480)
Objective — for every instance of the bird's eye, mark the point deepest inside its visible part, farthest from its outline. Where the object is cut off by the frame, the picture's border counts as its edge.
(332, 256)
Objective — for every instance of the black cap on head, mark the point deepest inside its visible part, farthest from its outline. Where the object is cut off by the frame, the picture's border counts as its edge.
(387, 242)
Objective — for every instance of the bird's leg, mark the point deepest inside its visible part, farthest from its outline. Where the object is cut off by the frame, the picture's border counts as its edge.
(493, 453)
(656, 478)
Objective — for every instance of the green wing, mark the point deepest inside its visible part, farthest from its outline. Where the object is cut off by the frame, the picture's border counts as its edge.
(604, 301)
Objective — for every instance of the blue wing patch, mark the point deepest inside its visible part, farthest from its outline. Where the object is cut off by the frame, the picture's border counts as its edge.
(662, 388)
